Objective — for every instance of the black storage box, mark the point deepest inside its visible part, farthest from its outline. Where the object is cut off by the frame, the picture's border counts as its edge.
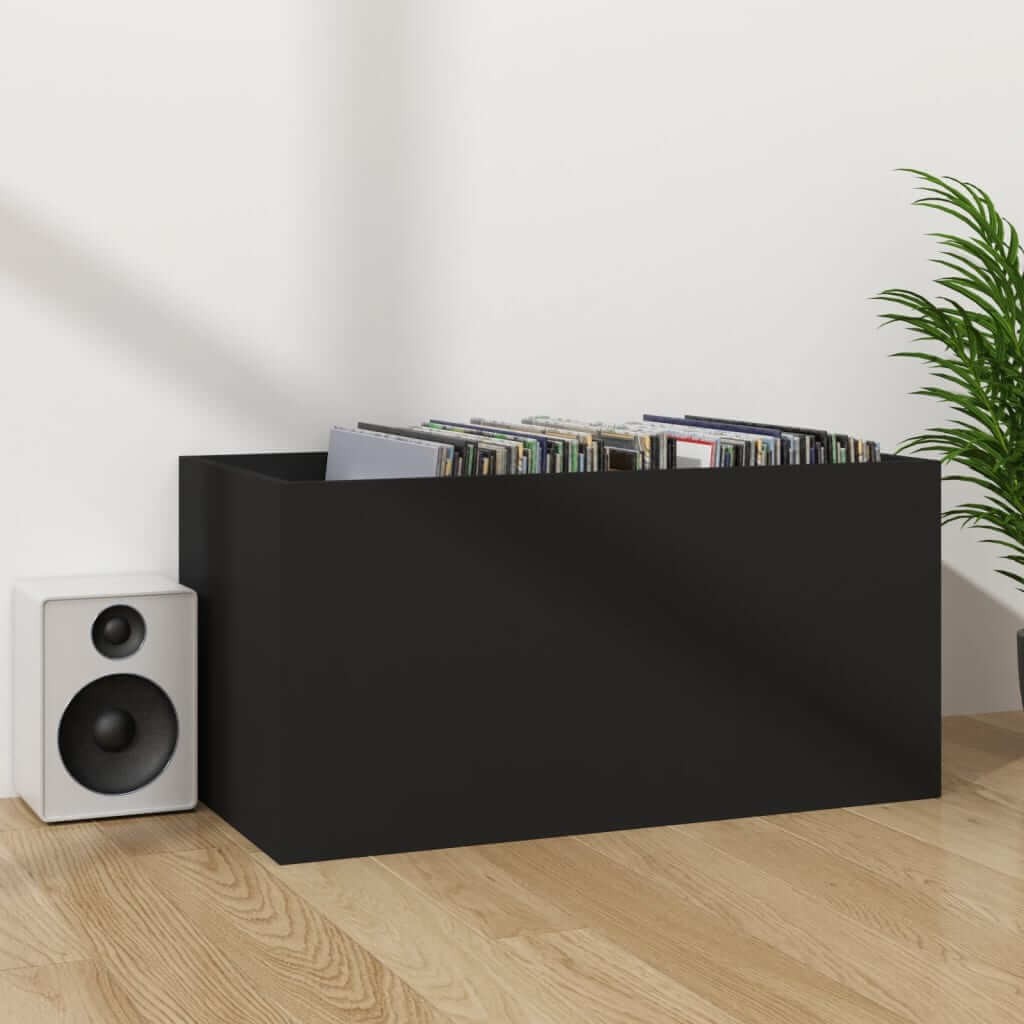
(403, 664)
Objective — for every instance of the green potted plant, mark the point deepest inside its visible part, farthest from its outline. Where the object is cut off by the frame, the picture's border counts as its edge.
(974, 348)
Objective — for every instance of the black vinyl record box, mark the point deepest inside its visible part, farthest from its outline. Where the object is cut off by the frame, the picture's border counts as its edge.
(406, 664)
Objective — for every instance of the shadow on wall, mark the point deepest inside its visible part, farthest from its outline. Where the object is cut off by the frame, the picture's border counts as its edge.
(979, 649)
(369, 188)
(375, 191)
(68, 275)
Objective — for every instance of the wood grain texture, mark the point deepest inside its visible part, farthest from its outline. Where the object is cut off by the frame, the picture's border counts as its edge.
(986, 757)
(482, 894)
(600, 980)
(14, 814)
(1012, 720)
(84, 992)
(33, 928)
(730, 968)
(892, 914)
(169, 833)
(463, 974)
(967, 949)
(293, 952)
(164, 961)
(890, 970)
(958, 888)
(965, 822)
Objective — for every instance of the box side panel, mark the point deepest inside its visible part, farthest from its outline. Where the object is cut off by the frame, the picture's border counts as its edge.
(229, 553)
(28, 699)
(892, 680)
(488, 660)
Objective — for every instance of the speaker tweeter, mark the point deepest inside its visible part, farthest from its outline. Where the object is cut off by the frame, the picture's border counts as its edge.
(118, 631)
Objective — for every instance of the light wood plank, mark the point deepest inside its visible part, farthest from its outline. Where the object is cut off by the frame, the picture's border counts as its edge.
(746, 898)
(880, 915)
(961, 822)
(608, 984)
(302, 960)
(83, 992)
(574, 975)
(957, 885)
(1000, 742)
(14, 814)
(482, 894)
(734, 971)
(1000, 798)
(962, 946)
(162, 959)
(986, 755)
(200, 829)
(33, 929)
(464, 975)
(1003, 719)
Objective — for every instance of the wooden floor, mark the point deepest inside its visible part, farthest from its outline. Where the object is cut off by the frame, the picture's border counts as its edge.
(904, 912)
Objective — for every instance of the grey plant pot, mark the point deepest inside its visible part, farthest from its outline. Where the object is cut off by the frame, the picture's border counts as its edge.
(1020, 663)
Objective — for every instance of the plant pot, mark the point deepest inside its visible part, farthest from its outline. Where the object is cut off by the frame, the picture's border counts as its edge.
(1020, 663)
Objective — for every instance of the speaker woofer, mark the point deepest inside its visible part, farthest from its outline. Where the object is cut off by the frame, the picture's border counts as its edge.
(118, 733)
(118, 631)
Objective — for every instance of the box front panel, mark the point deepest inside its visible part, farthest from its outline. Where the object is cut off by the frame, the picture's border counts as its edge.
(487, 660)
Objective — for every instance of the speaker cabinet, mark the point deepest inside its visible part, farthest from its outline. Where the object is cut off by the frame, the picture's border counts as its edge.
(104, 696)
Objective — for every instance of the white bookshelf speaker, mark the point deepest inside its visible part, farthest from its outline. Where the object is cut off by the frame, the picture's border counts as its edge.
(104, 696)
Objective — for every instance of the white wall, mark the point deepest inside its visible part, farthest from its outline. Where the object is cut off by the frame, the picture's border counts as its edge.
(225, 225)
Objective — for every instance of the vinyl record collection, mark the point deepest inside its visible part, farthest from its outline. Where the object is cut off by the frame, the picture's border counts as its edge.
(548, 444)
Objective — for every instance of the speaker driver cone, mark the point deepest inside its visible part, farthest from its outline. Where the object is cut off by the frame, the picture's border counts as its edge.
(118, 733)
(118, 631)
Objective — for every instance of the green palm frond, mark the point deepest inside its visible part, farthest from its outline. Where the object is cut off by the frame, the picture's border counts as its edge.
(975, 335)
